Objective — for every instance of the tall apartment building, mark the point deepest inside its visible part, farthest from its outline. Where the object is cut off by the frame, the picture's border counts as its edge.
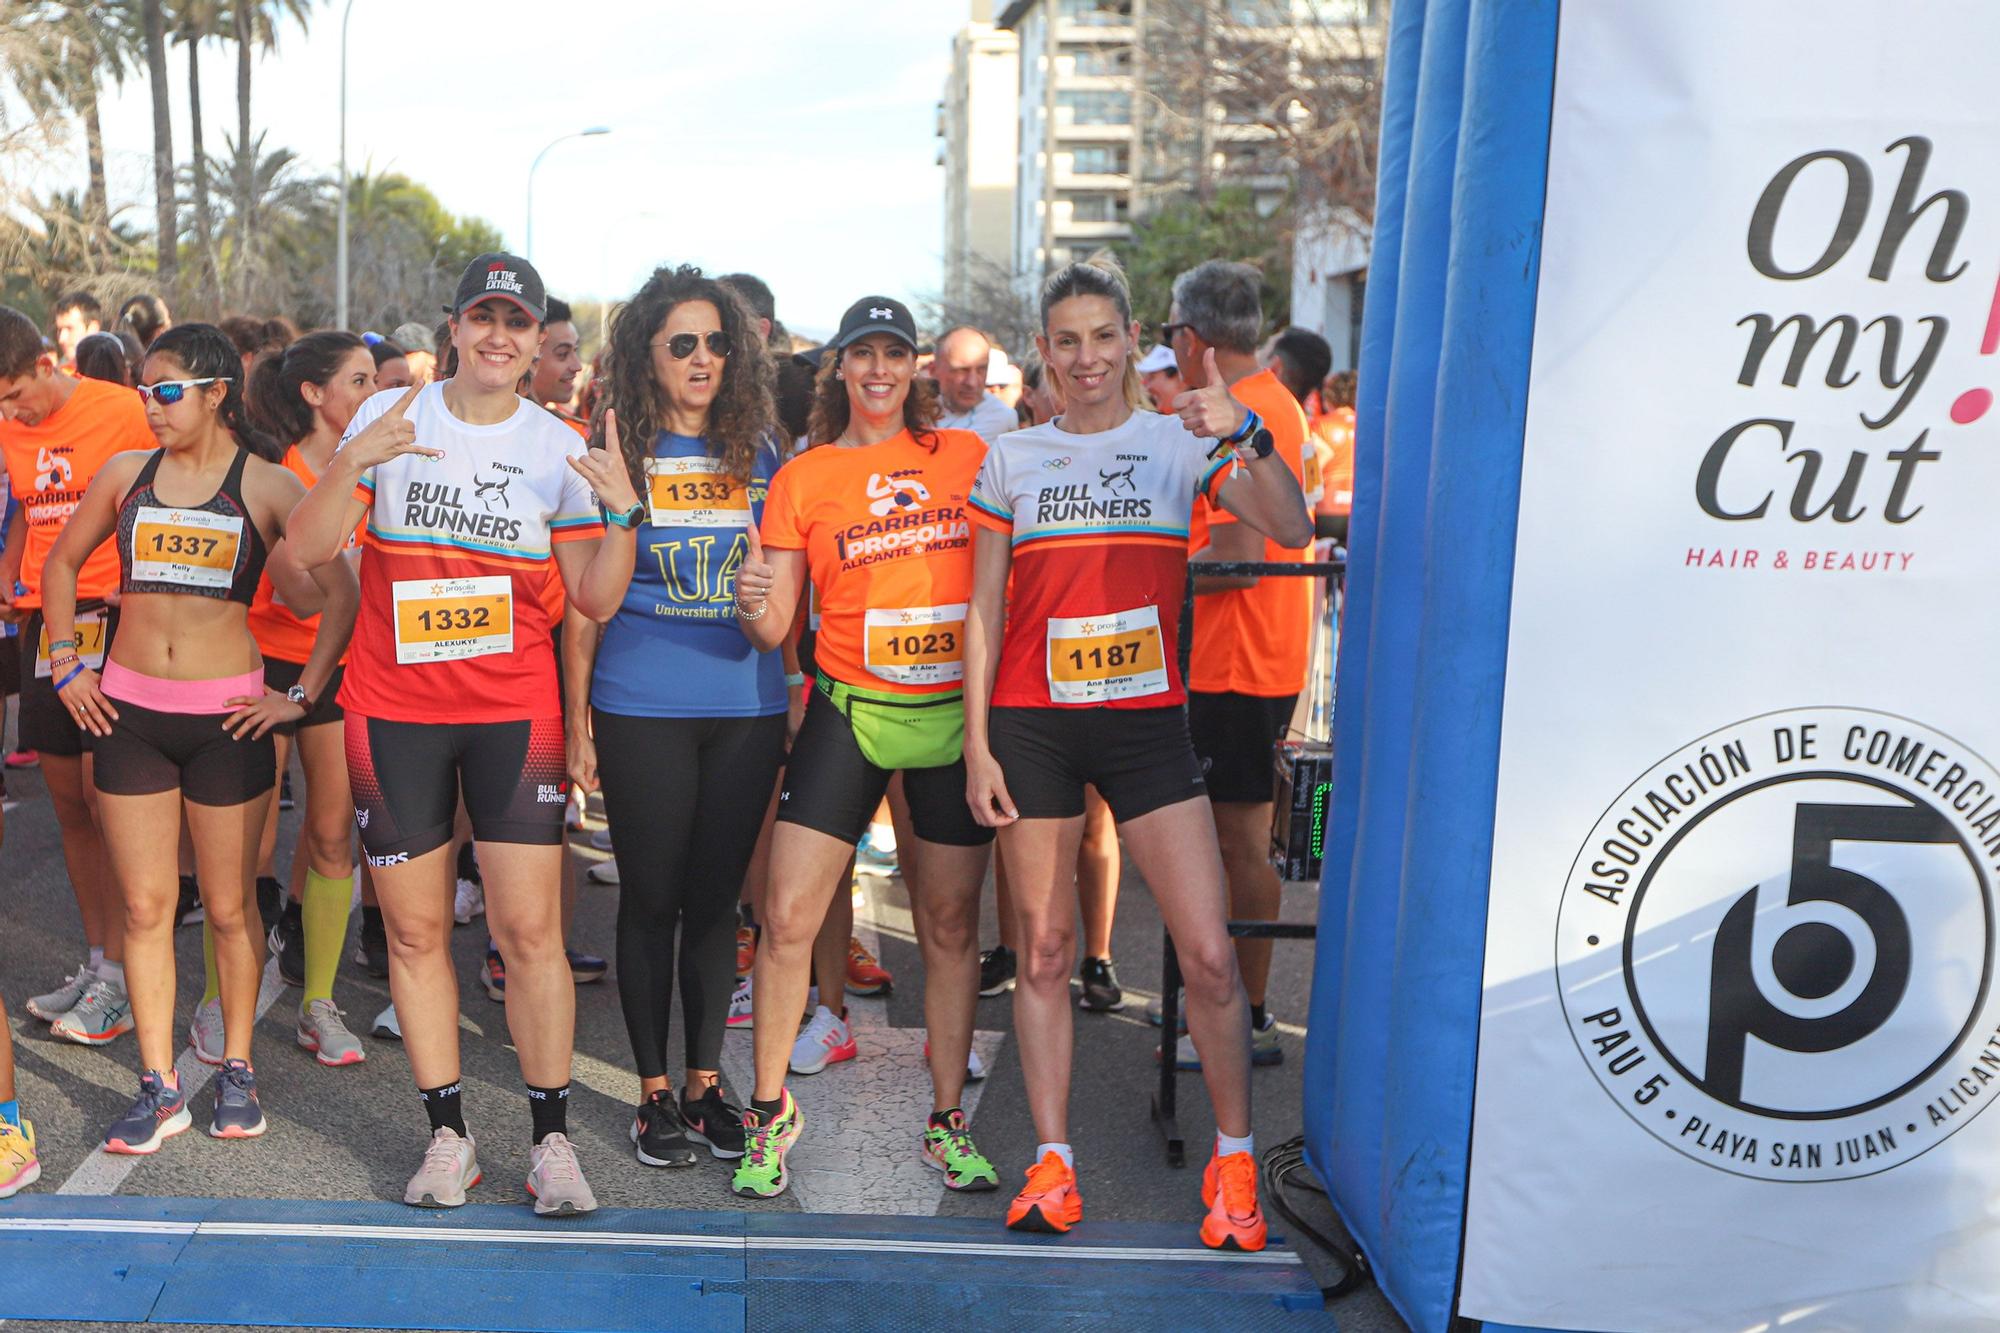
(978, 128)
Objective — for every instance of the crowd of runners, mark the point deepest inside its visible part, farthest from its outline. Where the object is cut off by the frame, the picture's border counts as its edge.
(878, 603)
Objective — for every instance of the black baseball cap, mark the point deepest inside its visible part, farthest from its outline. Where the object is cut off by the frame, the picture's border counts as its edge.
(501, 274)
(875, 314)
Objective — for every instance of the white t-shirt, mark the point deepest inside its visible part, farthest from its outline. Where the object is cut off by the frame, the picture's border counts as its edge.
(989, 419)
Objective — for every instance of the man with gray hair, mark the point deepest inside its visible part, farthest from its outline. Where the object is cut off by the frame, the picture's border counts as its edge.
(959, 367)
(1252, 637)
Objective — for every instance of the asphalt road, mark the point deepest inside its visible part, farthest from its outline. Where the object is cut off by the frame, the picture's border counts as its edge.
(356, 1133)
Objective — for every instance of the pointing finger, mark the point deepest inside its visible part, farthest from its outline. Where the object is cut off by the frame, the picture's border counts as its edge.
(611, 430)
(402, 405)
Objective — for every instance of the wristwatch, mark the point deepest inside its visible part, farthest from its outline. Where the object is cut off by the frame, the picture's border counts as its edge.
(626, 518)
(297, 694)
(1260, 443)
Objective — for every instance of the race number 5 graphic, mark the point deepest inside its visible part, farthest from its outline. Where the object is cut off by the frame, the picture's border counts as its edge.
(1826, 967)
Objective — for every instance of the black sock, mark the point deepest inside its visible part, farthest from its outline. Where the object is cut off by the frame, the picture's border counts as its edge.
(468, 864)
(550, 1108)
(443, 1107)
(371, 918)
(1257, 1016)
(768, 1111)
(942, 1119)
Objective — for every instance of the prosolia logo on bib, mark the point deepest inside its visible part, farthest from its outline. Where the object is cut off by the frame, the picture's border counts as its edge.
(1775, 950)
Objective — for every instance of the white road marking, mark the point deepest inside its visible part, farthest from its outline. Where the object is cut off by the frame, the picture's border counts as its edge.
(102, 1172)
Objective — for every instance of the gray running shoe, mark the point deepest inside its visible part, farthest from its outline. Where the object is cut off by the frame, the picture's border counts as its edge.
(102, 1015)
(237, 1114)
(63, 998)
(556, 1181)
(388, 1025)
(322, 1032)
(451, 1167)
(205, 1032)
(601, 840)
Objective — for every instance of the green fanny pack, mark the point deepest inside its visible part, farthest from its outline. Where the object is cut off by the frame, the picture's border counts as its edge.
(897, 731)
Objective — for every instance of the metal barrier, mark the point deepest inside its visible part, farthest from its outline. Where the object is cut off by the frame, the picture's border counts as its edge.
(1164, 1097)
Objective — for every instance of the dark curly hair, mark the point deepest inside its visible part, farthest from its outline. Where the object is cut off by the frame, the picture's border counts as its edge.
(205, 352)
(831, 408)
(742, 416)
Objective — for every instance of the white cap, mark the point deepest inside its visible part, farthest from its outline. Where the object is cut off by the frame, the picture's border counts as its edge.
(1160, 358)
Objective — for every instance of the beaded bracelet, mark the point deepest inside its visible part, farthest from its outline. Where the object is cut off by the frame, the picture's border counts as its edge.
(62, 643)
(758, 614)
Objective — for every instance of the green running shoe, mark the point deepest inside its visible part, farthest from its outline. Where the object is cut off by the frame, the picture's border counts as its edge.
(761, 1172)
(948, 1146)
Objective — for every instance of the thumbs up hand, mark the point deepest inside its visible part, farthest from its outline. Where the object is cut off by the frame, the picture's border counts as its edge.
(753, 577)
(1211, 411)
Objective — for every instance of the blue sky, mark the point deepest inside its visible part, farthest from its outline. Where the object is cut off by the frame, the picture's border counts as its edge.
(792, 138)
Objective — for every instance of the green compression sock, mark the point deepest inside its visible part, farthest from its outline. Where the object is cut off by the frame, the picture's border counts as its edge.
(212, 980)
(325, 908)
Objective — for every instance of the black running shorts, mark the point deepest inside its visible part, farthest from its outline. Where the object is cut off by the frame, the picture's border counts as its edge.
(1236, 736)
(830, 786)
(406, 778)
(149, 752)
(1139, 759)
(281, 676)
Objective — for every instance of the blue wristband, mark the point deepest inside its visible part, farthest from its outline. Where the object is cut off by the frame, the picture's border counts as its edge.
(1249, 427)
(74, 672)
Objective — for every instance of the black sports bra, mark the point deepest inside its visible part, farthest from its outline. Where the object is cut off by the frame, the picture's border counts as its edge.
(211, 549)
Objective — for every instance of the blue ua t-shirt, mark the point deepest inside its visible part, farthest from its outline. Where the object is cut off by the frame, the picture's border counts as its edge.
(674, 648)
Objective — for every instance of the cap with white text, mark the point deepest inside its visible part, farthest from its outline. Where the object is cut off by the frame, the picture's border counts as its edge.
(508, 276)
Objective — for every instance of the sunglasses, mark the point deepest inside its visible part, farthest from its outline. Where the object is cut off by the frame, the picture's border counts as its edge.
(681, 346)
(169, 392)
(1167, 331)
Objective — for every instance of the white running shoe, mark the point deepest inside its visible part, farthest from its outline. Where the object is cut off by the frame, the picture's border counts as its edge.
(827, 1040)
(467, 902)
(101, 1016)
(63, 998)
(604, 872)
(556, 1181)
(387, 1024)
(975, 1066)
(601, 840)
(741, 1011)
(451, 1167)
(205, 1032)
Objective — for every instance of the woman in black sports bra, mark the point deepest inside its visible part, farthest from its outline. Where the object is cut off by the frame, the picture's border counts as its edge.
(181, 716)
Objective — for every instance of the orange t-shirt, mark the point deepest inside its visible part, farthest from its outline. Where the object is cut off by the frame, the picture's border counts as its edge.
(1333, 439)
(279, 633)
(50, 465)
(886, 537)
(1256, 640)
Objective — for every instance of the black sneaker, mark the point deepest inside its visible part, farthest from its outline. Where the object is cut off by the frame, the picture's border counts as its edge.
(372, 953)
(1101, 993)
(996, 970)
(285, 792)
(659, 1135)
(715, 1120)
(288, 943)
(270, 901)
(189, 911)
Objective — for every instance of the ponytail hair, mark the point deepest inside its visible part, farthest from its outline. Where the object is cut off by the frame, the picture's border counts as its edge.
(1099, 275)
(206, 352)
(275, 402)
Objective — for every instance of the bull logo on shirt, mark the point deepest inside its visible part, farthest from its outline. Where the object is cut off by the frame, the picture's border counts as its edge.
(1118, 481)
(488, 491)
(895, 493)
(52, 471)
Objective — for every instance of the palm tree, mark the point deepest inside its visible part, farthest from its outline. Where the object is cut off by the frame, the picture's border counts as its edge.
(195, 22)
(72, 45)
(256, 24)
(167, 226)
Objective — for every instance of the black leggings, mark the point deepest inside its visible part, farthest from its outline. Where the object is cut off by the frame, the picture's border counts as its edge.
(685, 797)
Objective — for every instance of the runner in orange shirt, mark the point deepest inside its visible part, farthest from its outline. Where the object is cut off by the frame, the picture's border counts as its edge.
(56, 433)
(875, 514)
(1251, 636)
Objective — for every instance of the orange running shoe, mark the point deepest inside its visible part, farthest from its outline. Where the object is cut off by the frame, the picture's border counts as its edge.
(865, 976)
(1050, 1202)
(746, 951)
(1229, 1190)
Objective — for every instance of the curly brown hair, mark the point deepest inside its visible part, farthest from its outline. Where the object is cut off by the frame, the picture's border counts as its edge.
(831, 407)
(740, 420)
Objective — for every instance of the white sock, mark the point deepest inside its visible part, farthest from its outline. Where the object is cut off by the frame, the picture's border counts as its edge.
(112, 972)
(1224, 1145)
(1059, 1149)
(96, 957)
(882, 837)
(812, 997)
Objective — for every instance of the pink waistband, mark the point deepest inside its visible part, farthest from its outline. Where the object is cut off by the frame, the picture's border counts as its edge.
(180, 696)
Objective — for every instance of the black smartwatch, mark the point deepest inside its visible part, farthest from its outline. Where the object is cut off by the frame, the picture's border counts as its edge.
(1260, 443)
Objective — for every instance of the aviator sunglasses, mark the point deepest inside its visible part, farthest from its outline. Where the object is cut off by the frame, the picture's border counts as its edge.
(681, 346)
(169, 392)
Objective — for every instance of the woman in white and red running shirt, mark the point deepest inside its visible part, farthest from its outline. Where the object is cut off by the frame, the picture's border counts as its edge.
(1073, 679)
(469, 491)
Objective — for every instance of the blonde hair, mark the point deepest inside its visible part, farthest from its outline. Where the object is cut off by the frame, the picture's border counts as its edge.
(1099, 275)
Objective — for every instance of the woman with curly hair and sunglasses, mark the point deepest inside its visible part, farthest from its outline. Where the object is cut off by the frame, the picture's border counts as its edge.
(685, 723)
(194, 522)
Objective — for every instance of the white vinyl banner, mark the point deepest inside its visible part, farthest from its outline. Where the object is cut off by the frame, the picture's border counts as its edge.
(1740, 1019)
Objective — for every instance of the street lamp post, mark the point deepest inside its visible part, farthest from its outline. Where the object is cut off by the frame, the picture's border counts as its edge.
(528, 247)
(340, 243)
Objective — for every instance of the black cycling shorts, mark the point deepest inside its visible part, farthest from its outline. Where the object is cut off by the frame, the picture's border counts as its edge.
(831, 788)
(149, 752)
(281, 676)
(1139, 759)
(407, 776)
(45, 725)
(1236, 737)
